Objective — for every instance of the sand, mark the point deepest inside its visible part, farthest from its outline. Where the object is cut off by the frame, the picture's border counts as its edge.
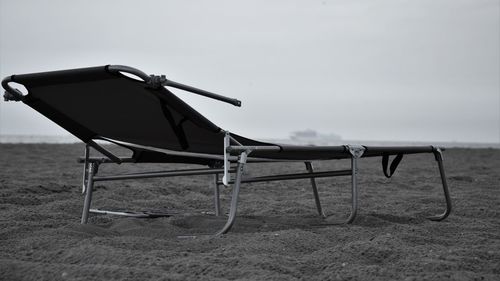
(276, 235)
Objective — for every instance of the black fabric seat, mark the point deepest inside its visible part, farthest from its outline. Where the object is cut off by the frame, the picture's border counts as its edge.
(95, 103)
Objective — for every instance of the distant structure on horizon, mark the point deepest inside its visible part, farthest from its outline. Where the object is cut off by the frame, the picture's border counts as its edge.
(311, 137)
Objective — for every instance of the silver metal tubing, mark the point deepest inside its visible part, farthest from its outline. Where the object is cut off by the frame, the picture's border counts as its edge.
(103, 160)
(202, 155)
(128, 69)
(310, 169)
(296, 176)
(11, 93)
(232, 170)
(239, 149)
(164, 82)
(216, 195)
(131, 214)
(88, 192)
(354, 190)
(234, 198)
(201, 92)
(160, 174)
(85, 168)
(356, 153)
(234, 140)
(172, 152)
(439, 158)
(126, 214)
(226, 177)
(105, 152)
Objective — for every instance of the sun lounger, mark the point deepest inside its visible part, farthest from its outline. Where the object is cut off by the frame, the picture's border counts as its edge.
(126, 107)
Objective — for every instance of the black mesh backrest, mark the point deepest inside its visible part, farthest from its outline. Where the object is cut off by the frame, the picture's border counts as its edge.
(93, 103)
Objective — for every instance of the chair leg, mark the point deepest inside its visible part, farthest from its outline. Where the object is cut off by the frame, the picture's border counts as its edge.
(88, 192)
(85, 168)
(310, 169)
(216, 195)
(356, 153)
(234, 198)
(439, 158)
(354, 190)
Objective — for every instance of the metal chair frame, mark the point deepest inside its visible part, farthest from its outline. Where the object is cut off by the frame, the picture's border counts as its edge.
(91, 167)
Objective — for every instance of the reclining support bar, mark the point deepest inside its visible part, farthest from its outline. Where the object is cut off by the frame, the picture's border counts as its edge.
(157, 81)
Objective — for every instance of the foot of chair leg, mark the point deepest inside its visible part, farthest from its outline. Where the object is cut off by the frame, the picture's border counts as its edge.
(310, 169)
(216, 195)
(354, 190)
(234, 198)
(439, 158)
(88, 192)
(356, 152)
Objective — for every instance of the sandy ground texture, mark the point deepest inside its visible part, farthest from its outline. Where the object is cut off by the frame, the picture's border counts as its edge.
(277, 235)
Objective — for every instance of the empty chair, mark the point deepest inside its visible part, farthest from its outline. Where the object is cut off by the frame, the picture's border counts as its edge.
(105, 104)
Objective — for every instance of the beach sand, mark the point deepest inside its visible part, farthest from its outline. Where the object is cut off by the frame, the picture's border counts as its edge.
(277, 235)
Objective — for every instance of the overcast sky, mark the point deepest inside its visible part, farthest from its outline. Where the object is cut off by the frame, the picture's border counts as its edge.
(426, 70)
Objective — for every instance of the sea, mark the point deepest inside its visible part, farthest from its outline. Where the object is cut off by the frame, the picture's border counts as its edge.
(59, 139)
